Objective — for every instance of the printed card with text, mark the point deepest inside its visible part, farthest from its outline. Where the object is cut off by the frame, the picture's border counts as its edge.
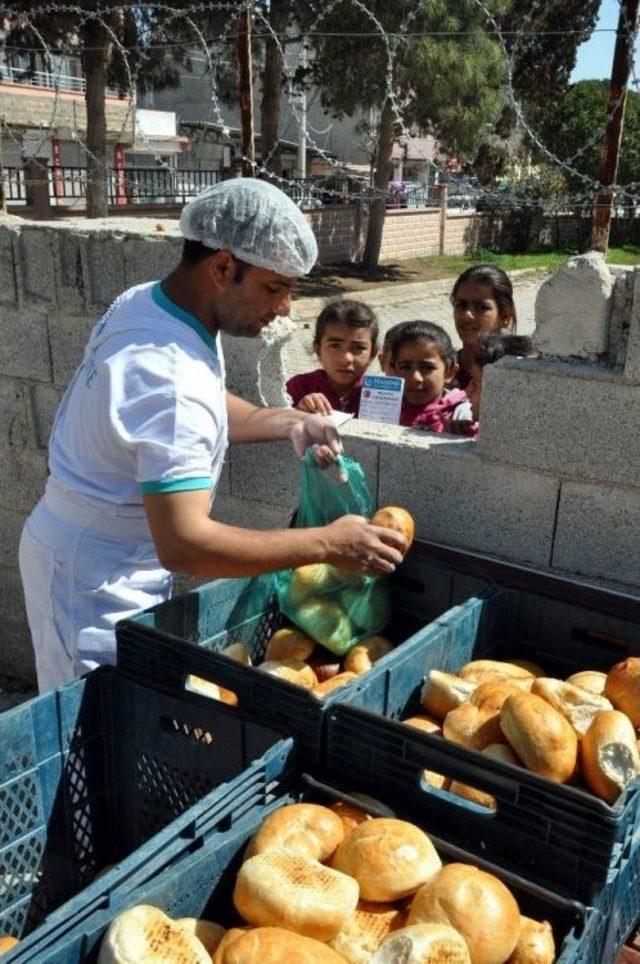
(381, 398)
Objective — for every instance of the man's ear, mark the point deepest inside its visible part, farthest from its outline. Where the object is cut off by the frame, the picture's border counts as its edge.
(222, 268)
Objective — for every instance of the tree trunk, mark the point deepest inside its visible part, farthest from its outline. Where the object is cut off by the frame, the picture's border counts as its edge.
(271, 89)
(378, 207)
(94, 66)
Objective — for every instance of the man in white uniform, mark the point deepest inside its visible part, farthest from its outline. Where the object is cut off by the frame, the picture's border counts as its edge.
(140, 437)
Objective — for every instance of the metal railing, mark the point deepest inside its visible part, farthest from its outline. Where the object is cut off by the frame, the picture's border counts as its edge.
(13, 185)
(46, 79)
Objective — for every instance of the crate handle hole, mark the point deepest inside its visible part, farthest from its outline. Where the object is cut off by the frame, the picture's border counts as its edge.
(487, 808)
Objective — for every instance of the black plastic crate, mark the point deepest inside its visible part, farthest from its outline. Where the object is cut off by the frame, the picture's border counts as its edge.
(185, 635)
(562, 834)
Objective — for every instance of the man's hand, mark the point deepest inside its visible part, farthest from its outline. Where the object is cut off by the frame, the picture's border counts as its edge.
(319, 432)
(316, 404)
(356, 545)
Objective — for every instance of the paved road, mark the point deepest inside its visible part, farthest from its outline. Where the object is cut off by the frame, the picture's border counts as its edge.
(428, 301)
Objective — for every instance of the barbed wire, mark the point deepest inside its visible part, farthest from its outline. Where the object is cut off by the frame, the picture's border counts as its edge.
(215, 115)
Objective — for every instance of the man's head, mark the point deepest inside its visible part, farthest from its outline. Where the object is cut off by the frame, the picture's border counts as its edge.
(245, 243)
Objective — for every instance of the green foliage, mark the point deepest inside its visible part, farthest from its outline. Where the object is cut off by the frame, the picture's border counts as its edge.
(568, 123)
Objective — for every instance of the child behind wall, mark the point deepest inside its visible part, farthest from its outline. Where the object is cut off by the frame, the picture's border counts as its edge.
(346, 342)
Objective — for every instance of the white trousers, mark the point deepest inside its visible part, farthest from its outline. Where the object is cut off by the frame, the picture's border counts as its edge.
(84, 566)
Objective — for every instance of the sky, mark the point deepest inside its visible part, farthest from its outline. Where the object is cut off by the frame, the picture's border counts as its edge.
(596, 55)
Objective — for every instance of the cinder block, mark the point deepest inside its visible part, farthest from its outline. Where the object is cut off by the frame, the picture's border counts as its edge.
(68, 334)
(15, 426)
(598, 532)
(573, 307)
(23, 477)
(43, 400)
(38, 253)
(460, 499)
(16, 652)
(11, 524)
(71, 293)
(572, 420)
(632, 364)
(103, 268)
(10, 292)
(150, 258)
(268, 469)
(254, 365)
(24, 343)
(250, 513)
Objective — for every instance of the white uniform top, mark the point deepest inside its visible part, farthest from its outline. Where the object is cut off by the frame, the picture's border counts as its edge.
(146, 410)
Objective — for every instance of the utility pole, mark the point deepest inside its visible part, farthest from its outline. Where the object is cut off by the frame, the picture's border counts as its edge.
(245, 91)
(302, 121)
(601, 222)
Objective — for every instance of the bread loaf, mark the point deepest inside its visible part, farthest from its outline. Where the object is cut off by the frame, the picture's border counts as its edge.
(307, 829)
(195, 684)
(423, 944)
(239, 653)
(535, 943)
(329, 685)
(389, 858)
(273, 945)
(474, 903)
(7, 944)
(497, 751)
(292, 670)
(362, 657)
(578, 706)
(442, 692)
(623, 688)
(486, 670)
(590, 680)
(543, 739)
(476, 723)
(609, 754)
(289, 643)
(366, 929)
(144, 933)
(349, 815)
(310, 580)
(393, 517)
(282, 889)
(208, 933)
(427, 725)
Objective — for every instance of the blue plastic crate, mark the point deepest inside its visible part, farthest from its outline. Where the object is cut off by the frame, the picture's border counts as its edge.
(201, 885)
(625, 905)
(563, 834)
(166, 643)
(95, 774)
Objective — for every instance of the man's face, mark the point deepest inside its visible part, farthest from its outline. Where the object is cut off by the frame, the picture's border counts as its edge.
(249, 299)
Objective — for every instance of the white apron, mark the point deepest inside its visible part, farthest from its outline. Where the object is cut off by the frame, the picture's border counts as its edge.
(84, 565)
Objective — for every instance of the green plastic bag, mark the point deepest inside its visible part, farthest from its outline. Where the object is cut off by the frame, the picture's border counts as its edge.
(335, 607)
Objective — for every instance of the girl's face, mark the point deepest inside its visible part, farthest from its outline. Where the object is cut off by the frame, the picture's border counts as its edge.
(476, 311)
(345, 354)
(423, 370)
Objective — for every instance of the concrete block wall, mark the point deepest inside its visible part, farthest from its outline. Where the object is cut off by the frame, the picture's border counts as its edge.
(551, 482)
(410, 234)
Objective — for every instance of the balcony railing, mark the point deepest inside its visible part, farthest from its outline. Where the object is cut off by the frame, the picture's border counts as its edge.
(46, 79)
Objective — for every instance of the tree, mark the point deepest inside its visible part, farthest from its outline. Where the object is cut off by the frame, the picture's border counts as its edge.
(570, 122)
(543, 55)
(93, 40)
(447, 84)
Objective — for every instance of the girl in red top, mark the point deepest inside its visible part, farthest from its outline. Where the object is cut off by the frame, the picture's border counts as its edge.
(346, 342)
(422, 355)
(482, 300)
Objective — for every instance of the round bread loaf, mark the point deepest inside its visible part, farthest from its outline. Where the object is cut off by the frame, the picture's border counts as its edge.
(476, 723)
(532, 668)
(208, 933)
(423, 944)
(578, 706)
(144, 933)
(195, 684)
(292, 670)
(309, 580)
(543, 739)
(362, 657)
(329, 685)
(393, 517)
(289, 643)
(535, 943)
(443, 692)
(623, 688)
(485, 670)
(389, 858)
(8, 943)
(589, 680)
(281, 889)
(366, 929)
(306, 829)
(474, 903)
(497, 751)
(609, 754)
(239, 653)
(350, 816)
(273, 945)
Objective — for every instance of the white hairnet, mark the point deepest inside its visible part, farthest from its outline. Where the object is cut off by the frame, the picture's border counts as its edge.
(254, 220)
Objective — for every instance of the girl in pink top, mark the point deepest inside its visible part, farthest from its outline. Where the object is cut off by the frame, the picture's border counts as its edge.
(422, 355)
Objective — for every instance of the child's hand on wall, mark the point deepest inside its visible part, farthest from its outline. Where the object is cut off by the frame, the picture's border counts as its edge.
(316, 403)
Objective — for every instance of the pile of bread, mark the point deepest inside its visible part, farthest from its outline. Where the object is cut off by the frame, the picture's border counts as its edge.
(324, 885)
(583, 729)
(293, 656)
